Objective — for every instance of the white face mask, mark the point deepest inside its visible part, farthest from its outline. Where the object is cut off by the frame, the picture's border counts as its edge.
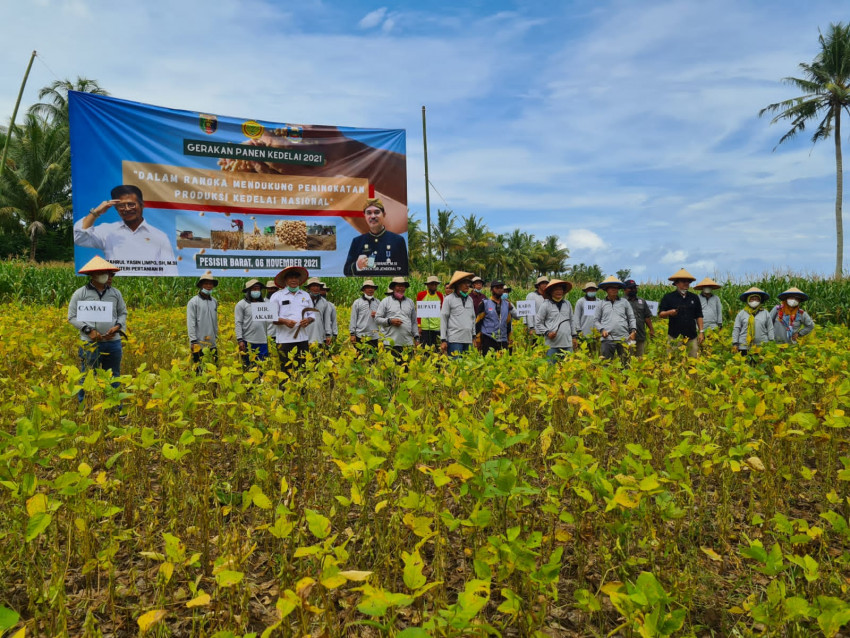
(369, 296)
(754, 303)
(793, 303)
(101, 279)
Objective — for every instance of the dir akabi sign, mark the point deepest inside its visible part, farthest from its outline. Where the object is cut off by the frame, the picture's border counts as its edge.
(162, 192)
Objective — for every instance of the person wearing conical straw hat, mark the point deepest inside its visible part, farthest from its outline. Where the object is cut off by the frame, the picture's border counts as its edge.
(712, 309)
(332, 314)
(643, 317)
(319, 331)
(683, 311)
(614, 319)
(293, 315)
(536, 296)
(251, 335)
(457, 316)
(362, 326)
(555, 320)
(753, 325)
(202, 320)
(429, 327)
(790, 321)
(396, 315)
(99, 314)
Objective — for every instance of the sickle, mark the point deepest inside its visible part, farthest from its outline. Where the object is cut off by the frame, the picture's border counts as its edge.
(304, 312)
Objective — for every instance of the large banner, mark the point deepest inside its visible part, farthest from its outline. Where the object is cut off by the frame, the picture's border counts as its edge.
(164, 192)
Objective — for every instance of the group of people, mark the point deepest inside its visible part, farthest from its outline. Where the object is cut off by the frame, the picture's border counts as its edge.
(461, 317)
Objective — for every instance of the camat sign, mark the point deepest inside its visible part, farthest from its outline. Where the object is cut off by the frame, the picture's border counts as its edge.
(232, 195)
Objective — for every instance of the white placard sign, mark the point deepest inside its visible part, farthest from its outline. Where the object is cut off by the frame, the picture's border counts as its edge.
(94, 311)
(263, 312)
(428, 309)
(526, 308)
(653, 307)
(589, 307)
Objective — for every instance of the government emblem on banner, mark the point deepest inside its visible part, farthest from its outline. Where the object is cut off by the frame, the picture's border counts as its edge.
(252, 129)
(208, 123)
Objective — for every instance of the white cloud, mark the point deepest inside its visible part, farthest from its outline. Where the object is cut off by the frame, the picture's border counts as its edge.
(582, 239)
(674, 257)
(373, 18)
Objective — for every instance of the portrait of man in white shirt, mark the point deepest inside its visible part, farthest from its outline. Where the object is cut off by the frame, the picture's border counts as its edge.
(132, 244)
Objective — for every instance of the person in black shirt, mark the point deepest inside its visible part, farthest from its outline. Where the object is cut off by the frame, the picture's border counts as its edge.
(684, 312)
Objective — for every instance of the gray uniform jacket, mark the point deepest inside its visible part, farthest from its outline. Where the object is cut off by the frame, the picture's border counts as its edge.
(552, 319)
(362, 324)
(617, 318)
(642, 312)
(244, 325)
(584, 320)
(202, 320)
(764, 328)
(538, 299)
(90, 293)
(404, 309)
(457, 319)
(333, 319)
(802, 325)
(712, 312)
(319, 329)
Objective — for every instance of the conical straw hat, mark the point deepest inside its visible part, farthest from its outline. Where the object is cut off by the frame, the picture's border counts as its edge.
(280, 278)
(754, 291)
(682, 274)
(793, 292)
(554, 284)
(611, 281)
(708, 282)
(460, 276)
(98, 264)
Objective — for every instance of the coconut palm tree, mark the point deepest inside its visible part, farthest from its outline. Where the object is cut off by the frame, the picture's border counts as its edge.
(445, 236)
(55, 109)
(35, 187)
(550, 257)
(826, 93)
(476, 240)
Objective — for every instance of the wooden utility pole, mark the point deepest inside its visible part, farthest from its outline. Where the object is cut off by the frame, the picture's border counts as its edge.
(14, 115)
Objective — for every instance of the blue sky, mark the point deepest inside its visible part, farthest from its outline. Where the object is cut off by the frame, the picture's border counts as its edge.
(629, 129)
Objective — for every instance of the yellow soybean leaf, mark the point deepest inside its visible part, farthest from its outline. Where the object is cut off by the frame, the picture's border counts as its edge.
(148, 620)
(353, 574)
(284, 486)
(259, 499)
(21, 633)
(755, 463)
(37, 504)
(381, 506)
(84, 469)
(166, 569)
(623, 498)
(711, 554)
(761, 408)
(457, 470)
(199, 601)
(228, 578)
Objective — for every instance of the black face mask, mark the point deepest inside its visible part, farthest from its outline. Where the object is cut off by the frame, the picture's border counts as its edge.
(631, 294)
